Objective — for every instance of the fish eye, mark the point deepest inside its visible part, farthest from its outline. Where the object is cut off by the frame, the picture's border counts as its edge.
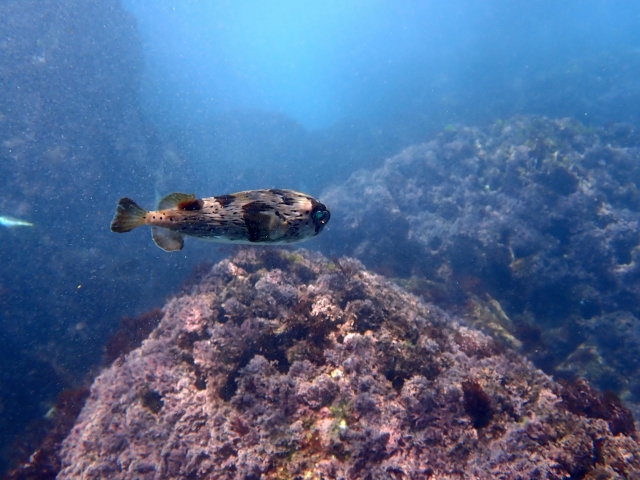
(321, 216)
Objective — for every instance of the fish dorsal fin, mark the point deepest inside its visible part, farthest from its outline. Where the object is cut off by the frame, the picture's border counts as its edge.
(174, 199)
(166, 239)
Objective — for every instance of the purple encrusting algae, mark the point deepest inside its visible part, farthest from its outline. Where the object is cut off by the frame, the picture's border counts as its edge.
(283, 364)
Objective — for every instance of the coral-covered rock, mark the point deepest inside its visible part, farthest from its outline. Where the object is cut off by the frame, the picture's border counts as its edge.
(541, 215)
(286, 365)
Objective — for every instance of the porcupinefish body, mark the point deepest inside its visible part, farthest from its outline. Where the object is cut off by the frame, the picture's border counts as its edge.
(253, 217)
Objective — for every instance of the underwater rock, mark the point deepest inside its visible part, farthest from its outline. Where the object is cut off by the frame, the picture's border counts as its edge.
(540, 215)
(281, 364)
(130, 335)
(43, 463)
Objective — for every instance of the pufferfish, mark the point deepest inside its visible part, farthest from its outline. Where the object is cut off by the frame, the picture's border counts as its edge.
(253, 217)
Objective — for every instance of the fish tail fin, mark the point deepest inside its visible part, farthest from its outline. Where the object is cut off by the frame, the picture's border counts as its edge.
(128, 216)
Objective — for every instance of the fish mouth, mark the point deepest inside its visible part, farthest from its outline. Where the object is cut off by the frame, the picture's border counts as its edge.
(321, 216)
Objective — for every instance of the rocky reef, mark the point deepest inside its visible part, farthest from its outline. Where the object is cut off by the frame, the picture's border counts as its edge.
(535, 219)
(281, 364)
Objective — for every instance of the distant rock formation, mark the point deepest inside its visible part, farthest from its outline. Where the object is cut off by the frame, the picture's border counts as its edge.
(541, 215)
(283, 364)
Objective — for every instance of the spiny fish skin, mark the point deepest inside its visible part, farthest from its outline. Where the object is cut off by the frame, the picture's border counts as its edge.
(11, 222)
(253, 217)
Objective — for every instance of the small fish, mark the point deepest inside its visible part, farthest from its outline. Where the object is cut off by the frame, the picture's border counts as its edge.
(11, 222)
(253, 217)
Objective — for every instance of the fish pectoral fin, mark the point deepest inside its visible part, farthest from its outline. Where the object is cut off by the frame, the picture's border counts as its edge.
(167, 240)
(258, 226)
(263, 226)
(174, 199)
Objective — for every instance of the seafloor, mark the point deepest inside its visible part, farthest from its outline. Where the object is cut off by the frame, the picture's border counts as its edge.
(283, 364)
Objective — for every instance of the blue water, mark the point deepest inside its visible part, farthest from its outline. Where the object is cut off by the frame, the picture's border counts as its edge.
(144, 97)
(372, 61)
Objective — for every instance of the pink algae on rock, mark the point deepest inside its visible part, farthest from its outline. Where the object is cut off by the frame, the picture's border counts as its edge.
(283, 364)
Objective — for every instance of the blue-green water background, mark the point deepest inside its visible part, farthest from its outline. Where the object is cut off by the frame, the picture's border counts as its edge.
(100, 100)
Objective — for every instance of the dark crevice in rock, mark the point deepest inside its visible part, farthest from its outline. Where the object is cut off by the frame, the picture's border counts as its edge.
(151, 400)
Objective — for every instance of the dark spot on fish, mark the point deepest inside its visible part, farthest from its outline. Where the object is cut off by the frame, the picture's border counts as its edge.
(224, 200)
(286, 198)
(256, 207)
(256, 221)
(191, 205)
(277, 213)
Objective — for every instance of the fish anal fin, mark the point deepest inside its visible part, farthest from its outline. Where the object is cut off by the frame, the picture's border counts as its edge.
(174, 199)
(166, 239)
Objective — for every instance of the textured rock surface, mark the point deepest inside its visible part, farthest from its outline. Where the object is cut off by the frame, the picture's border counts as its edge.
(285, 365)
(541, 215)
